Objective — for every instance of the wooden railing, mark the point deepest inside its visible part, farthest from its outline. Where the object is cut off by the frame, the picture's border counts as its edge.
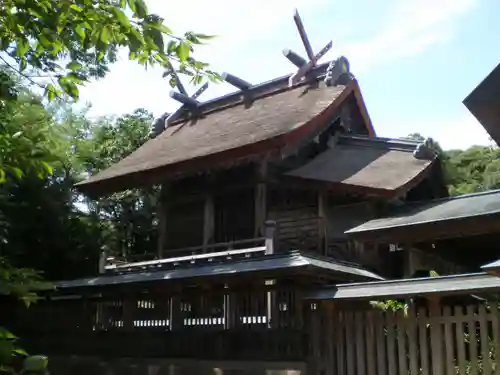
(305, 234)
(225, 324)
(447, 340)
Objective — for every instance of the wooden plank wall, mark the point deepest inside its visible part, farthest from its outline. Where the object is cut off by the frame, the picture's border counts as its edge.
(448, 340)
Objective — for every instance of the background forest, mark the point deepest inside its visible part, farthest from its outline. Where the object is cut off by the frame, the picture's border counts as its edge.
(46, 225)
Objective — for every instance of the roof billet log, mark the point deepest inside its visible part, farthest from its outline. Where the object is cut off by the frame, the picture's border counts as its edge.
(236, 81)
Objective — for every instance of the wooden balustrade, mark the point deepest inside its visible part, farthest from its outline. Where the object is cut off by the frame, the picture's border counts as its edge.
(229, 325)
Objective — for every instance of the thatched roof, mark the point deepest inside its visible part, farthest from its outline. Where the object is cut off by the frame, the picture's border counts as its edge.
(228, 130)
(374, 164)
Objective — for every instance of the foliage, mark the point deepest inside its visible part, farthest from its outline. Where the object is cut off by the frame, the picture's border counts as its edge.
(23, 131)
(73, 41)
(9, 350)
(468, 171)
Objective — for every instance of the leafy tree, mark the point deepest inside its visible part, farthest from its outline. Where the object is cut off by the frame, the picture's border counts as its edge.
(468, 171)
(73, 41)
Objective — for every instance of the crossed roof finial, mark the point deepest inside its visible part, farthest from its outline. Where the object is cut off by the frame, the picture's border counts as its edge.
(303, 65)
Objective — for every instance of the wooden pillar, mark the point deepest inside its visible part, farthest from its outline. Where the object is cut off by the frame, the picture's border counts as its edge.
(409, 261)
(436, 335)
(162, 220)
(129, 308)
(260, 198)
(328, 312)
(208, 222)
(322, 222)
(315, 334)
(176, 318)
(270, 234)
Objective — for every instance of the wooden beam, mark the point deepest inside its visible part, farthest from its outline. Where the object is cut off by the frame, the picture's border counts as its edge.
(178, 82)
(175, 115)
(162, 221)
(260, 199)
(208, 222)
(184, 99)
(236, 81)
(294, 58)
(303, 36)
(305, 68)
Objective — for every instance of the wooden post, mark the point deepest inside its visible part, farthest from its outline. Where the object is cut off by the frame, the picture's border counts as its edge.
(436, 335)
(270, 235)
(329, 332)
(260, 199)
(409, 261)
(208, 222)
(322, 223)
(129, 307)
(162, 220)
(315, 333)
(176, 318)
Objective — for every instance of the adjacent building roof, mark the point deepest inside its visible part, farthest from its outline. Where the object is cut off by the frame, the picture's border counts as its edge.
(484, 103)
(455, 284)
(492, 268)
(432, 214)
(379, 164)
(264, 118)
(287, 261)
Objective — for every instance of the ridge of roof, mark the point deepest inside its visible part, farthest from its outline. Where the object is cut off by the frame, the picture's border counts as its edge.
(380, 142)
(383, 223)
(456, 197)
(291, 259)
(258, 91)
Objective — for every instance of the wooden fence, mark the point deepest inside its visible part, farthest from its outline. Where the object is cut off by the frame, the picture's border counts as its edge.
(441, 341)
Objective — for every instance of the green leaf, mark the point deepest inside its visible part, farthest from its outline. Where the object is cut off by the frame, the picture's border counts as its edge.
(22, 46)
(51, 92)
(76, 8)
(158, 26)
(132, 5)
(106, 35)
(80, 31)
(171, 47)
(21, 352)
(18, 173)
(121, 17)
(141, 8)
(157, 38)
(6, 334)
(204, 36)
(183, 51)
(23, 63)
(74, 65)
(48, 168)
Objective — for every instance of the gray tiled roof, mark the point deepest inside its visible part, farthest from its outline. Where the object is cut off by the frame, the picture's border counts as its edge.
(293, 260)
(447, 285)
(438, 210)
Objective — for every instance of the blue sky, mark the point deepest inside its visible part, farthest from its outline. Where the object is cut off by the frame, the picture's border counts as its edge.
(415, 60)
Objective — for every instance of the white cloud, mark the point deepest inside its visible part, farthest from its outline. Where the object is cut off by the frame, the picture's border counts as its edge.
(411, 28)
(252, 34)
(250, 38)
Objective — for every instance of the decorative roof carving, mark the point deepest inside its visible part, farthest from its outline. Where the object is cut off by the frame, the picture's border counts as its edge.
(425, 150)
(338, 72)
